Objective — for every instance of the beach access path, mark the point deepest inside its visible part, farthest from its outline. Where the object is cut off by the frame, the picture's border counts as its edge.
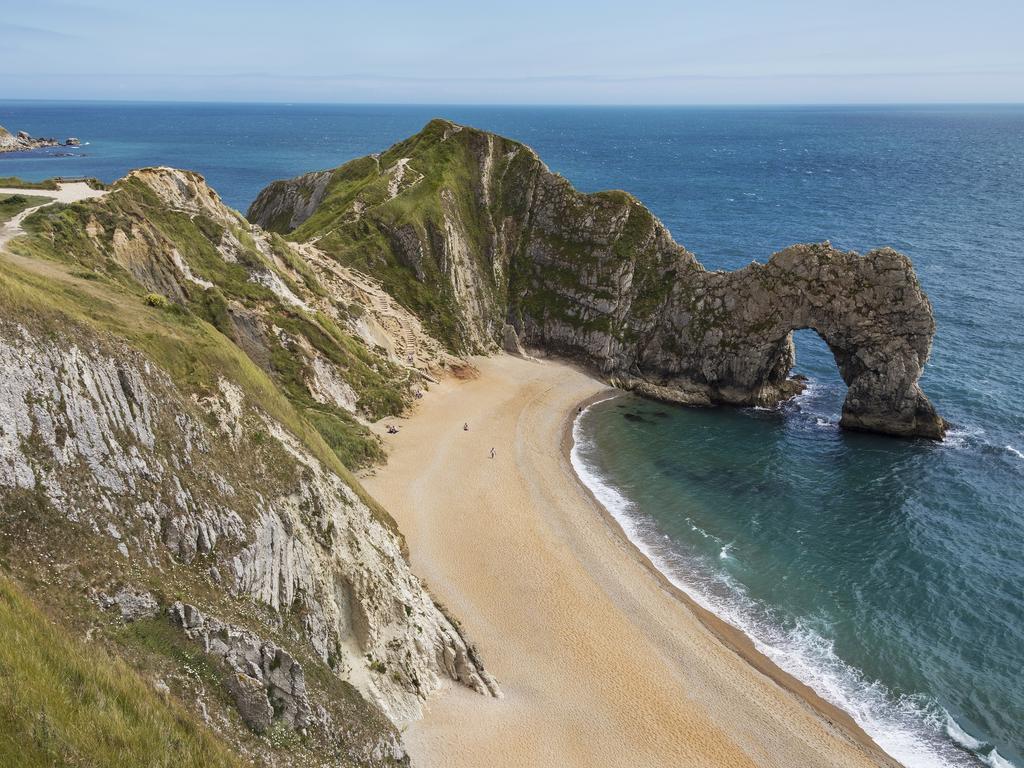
(68, 192)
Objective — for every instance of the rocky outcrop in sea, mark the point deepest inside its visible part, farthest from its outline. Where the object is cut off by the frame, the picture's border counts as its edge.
(22, 141)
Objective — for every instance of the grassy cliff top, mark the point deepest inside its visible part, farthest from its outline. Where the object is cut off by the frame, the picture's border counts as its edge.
(115, 266)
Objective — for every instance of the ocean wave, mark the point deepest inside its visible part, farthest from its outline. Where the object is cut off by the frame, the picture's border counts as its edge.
(962, 437)
(815, 406)
(960, 736)
(811, 392)
(972, 437)
(700, 531)
(913, 730)
(984, 751)
(996, 760)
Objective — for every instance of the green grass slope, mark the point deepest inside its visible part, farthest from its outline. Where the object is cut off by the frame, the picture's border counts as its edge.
(12, 205)
(398, 226)
(66, 703)
(128, 242)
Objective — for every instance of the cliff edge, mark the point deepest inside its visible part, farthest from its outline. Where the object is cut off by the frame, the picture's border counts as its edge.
(186, 398)
(472, 232)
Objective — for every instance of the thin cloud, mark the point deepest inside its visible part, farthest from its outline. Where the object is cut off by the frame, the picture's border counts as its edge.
(38, 33)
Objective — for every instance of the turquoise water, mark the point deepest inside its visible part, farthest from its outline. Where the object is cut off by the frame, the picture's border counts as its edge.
(885, 573)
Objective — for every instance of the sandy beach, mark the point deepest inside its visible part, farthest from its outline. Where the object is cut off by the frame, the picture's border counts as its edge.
(601, 661)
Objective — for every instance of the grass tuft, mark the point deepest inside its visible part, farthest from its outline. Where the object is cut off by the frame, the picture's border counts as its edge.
(68, 703)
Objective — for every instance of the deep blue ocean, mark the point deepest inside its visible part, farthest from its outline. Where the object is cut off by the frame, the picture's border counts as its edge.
(887, 574)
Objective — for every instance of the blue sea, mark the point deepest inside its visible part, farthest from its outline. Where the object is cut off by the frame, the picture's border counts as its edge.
(887, 574)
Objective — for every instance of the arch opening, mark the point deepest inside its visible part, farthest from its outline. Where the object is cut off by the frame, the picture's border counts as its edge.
(815, 359)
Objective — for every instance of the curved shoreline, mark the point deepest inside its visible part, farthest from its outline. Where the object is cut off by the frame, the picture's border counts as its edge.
(601, 666)
(732, 637)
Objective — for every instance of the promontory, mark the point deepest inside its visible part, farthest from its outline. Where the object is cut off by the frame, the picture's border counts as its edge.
(475, 234)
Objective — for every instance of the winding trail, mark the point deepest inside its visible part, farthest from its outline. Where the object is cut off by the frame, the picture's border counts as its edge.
(70, 192)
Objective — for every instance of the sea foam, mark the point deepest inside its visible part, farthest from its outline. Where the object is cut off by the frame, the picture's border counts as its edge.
(914, 731)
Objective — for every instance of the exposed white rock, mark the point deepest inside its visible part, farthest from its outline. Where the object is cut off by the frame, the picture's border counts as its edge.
(270, 280)
(186, 270)
(467, 278)
(188, 192)
(381, 321)
(397, 178)
(135, 605)
(112, 444)
(327, 386)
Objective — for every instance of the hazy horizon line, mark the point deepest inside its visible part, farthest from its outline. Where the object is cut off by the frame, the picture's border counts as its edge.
(524, 104)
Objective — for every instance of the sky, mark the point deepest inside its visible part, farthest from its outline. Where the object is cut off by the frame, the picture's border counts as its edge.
(516, 52)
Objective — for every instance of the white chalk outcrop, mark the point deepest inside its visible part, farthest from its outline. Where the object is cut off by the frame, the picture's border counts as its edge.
(167, 480)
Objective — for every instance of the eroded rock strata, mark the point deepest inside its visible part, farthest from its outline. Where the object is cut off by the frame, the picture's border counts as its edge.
(473, 232)
(184, 397)
(100, 443)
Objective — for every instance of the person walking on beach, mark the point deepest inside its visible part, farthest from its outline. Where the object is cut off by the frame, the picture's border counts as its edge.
(492, 453)
(465, 427)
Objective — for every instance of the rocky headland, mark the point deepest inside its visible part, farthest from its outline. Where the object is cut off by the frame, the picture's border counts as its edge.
(188, 394)
(22, 141)
(474, 233)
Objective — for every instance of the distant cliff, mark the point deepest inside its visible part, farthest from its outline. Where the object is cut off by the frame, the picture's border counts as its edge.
(472, 232)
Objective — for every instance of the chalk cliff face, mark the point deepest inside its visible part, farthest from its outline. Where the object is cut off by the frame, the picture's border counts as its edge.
(184, 397)
(473, 232)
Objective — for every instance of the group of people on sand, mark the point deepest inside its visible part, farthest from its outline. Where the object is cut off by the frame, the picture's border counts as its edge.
(465, 428)
(393, 430)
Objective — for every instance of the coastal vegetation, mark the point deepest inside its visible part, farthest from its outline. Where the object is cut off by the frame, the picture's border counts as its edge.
(191, 396)
(70, 703)
(14, 182)
(12, 205)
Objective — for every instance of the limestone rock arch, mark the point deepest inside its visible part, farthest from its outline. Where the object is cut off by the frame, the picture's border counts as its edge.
(726, 337)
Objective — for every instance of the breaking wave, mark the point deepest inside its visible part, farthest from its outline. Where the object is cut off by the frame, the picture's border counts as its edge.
(912, 729)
